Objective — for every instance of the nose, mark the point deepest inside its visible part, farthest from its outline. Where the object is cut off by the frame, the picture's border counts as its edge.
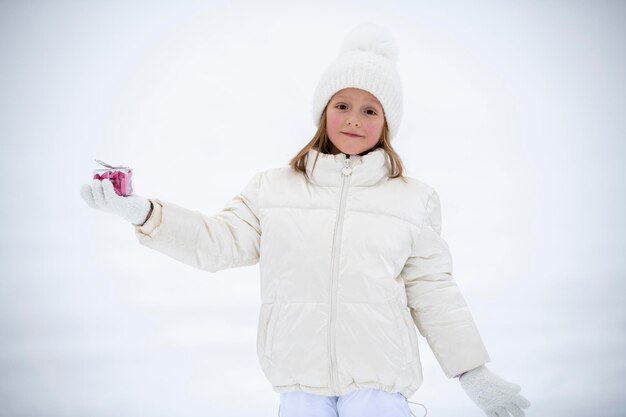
(353, 121)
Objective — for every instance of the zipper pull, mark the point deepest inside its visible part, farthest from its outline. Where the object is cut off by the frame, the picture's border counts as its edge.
(347, 170)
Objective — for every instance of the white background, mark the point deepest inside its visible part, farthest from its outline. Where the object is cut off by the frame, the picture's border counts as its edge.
(514, 112)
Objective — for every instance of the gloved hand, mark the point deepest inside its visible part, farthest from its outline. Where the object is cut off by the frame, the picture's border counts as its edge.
(102, 196)
(495, 396)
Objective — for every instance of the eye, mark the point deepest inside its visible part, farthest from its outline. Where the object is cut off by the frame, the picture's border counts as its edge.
(371, 112)
(341, 106)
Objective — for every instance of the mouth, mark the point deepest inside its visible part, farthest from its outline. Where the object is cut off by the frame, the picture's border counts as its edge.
(352, 135)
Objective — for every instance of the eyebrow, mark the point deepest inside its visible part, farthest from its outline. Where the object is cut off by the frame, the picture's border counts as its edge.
(346, 97)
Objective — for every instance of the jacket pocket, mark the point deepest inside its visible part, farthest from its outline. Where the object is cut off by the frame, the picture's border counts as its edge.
(403, 331)
(412, 333)
(271, 325)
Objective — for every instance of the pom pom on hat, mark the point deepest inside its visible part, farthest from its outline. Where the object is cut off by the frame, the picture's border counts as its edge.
(367, 60)
(368, 37)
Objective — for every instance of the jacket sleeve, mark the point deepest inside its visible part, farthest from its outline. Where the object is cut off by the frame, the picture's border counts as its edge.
(436, 304)
(228, 239)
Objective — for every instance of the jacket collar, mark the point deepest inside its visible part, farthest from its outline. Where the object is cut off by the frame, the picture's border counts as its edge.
(367, 169)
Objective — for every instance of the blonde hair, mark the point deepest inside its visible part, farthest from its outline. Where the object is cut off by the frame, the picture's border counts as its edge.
(321, 142)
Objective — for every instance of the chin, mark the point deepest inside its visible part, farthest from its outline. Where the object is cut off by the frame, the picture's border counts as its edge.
(350, 149)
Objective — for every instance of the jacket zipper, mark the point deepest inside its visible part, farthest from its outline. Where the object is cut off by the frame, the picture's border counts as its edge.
(334, 373)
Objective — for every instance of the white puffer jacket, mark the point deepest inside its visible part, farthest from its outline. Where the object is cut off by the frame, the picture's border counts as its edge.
(348, 262)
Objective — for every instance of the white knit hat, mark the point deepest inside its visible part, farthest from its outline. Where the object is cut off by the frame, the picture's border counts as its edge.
(367, 60)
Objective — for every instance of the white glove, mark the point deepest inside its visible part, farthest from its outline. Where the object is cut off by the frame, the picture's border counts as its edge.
(101, 195)
(495, 396)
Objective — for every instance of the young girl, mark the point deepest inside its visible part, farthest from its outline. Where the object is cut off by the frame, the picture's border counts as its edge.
(350, 252)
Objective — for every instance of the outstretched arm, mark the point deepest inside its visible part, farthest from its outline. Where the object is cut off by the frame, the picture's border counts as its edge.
(229, 239)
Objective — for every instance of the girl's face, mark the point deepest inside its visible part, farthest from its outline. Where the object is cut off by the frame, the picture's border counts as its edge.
(354, 121)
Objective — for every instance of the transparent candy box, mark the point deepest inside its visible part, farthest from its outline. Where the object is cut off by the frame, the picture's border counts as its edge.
(120, 176)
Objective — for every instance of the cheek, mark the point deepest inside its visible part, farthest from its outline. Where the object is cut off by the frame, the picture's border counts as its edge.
(374, 130)
(333, 122)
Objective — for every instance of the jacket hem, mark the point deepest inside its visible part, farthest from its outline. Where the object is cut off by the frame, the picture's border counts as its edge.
(406, 393)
